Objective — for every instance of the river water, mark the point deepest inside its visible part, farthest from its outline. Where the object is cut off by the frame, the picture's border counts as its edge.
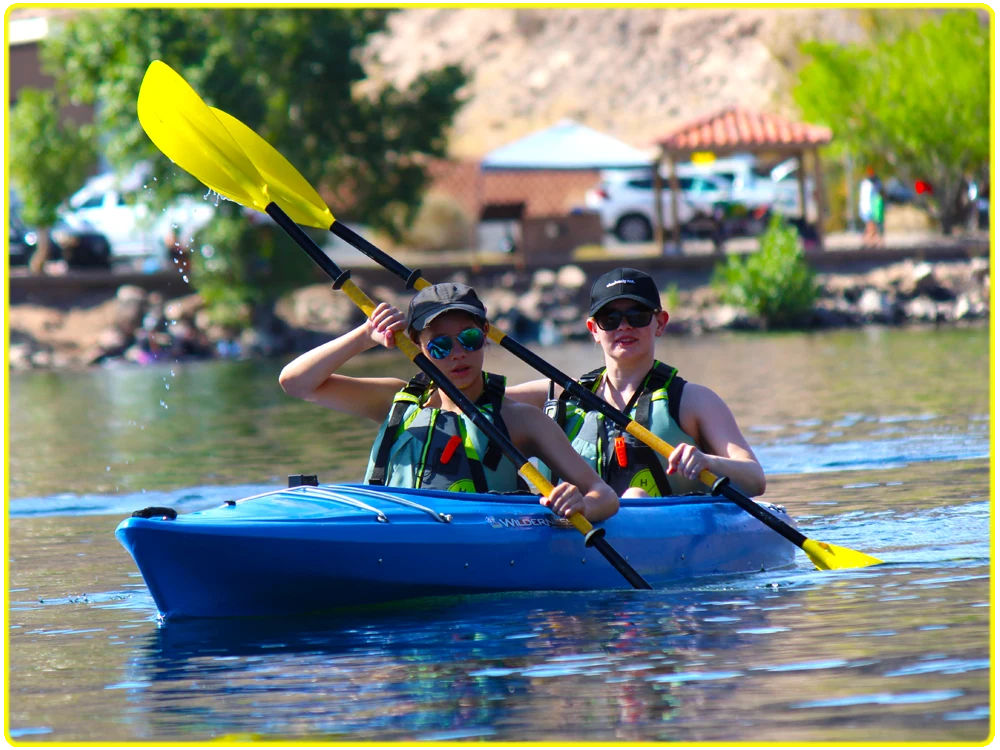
(878, 440)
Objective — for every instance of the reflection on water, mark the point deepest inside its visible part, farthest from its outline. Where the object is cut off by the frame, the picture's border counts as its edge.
(898, 652)
(894, 652)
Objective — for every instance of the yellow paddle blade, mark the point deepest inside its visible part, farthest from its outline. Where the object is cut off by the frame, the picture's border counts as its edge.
(286, 186)
(182, 126)
(827, 556)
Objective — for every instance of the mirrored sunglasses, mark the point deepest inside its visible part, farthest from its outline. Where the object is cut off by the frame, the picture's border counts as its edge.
(471, 339)
(636, 317)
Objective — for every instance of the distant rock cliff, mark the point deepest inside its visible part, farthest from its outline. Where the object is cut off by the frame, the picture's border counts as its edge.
(633, 73)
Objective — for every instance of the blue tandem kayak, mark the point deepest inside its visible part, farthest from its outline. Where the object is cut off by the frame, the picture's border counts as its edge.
(310, 548)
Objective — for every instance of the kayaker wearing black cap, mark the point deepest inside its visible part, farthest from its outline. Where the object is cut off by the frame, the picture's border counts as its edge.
(425, 440)
(626, 318)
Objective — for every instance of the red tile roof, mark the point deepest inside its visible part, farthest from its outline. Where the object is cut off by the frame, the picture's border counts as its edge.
(737, 128)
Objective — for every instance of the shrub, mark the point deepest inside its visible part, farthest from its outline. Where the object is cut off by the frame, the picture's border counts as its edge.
(240, 266)
(671, 298)
(775, 283)
(442, 223)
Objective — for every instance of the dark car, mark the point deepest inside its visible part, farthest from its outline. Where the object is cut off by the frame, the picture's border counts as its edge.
(80, 245)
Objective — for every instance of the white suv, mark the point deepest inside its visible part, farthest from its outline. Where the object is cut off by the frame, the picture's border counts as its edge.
(624, 199)
(132, 226)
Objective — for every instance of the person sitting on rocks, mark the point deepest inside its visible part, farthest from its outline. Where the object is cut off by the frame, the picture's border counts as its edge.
(426, 441)
(626, 318)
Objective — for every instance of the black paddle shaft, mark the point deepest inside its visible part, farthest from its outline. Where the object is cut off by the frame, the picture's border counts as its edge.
(596, 536)
(550, 371)
(385, 260)
(722, 487)
(339, 278)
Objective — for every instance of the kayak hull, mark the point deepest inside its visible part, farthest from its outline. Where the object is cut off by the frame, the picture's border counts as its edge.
(313, 548)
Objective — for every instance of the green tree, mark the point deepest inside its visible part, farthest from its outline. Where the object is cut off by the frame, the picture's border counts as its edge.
(775, 284)
(915, 100)
(49, 159)
(293, 75)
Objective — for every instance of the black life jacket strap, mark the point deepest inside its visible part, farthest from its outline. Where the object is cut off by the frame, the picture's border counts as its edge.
(661, 375)
(675, 389)
(416, 387)
(589, 379)
(478, 476)
(493, 393)
(555, 408)
(494, 388)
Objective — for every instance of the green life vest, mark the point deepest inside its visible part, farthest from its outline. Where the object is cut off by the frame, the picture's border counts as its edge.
(629, 462)
(422, 447)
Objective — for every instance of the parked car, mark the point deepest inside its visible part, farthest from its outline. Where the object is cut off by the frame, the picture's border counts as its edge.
(80, 245)
(897, 191)
(755, 186)
(115, 206)
(625, 202)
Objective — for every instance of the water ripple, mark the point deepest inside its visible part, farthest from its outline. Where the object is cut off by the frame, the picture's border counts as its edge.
(883, 699)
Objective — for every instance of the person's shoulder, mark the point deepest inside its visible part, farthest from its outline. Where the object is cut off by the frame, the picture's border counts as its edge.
(385, 383)
(699, 397)
(529, 389)
(521, 410)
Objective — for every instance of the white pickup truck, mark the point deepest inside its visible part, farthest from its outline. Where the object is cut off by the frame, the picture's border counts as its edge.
(624, 198)
(777, 188)
(114, 205)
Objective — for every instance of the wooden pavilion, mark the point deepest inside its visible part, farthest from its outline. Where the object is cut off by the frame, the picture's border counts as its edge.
(740, 130)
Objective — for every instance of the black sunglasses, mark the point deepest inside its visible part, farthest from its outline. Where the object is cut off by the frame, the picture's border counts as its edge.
(471, 339)
(636, 317)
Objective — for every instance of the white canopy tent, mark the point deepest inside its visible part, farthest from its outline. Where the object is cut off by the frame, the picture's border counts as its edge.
(567, 145)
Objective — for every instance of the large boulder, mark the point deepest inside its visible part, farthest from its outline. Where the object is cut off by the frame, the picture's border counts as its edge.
(571, 277)
(183, 308)
(921, 309)
(317, 308)
(132, 302)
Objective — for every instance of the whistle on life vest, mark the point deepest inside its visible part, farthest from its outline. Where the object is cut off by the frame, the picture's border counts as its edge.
(621, 451)
(450, 448)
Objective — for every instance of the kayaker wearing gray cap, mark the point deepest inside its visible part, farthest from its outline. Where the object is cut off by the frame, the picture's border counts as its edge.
(425, 440)
(626, 318)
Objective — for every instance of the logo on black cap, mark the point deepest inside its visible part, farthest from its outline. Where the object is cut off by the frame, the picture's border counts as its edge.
(624, 283)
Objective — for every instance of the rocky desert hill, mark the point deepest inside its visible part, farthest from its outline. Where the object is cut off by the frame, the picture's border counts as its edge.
(634, 73)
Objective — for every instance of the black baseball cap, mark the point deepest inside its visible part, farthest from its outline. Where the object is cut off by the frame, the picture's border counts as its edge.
(433, 300)
(624, 283)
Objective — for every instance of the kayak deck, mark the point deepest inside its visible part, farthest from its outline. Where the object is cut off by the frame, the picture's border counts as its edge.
(310, 548)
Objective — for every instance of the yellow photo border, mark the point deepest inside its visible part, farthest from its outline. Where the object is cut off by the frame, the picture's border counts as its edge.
(252, 742)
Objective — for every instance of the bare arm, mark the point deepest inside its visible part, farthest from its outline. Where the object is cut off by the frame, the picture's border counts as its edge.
(312, 377)
(706, 417)
(534, 392)
(584, 491)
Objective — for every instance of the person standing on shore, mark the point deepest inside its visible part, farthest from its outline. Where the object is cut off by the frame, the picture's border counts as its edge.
(626, 318)
(871, 208)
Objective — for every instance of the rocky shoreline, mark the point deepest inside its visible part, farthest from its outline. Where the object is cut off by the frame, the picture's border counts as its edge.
(548, 306)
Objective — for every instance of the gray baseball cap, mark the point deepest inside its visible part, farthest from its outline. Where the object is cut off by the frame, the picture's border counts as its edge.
(434, 300)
